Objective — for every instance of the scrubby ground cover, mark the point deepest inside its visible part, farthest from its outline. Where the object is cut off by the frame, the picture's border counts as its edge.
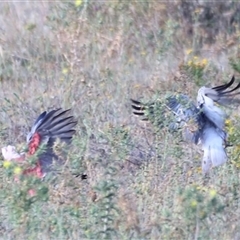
(93, 56)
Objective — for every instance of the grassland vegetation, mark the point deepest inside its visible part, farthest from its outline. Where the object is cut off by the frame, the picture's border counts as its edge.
(93, 57)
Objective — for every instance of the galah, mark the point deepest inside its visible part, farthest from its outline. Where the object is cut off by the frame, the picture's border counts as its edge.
(47, 129)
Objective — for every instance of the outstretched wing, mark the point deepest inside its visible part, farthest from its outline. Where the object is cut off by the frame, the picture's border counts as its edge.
(182, 113)
(154, 112)
(222, 94)
(53, 125)
(56, 124)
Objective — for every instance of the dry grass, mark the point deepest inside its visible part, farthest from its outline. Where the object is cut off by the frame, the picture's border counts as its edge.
(143, 183)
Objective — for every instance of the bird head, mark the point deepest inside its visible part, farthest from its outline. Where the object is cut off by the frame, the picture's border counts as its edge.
(220, 94)
(206, 96)
(201, 98)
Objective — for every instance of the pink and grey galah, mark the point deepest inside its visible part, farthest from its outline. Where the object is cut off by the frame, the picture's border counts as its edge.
(47, 129)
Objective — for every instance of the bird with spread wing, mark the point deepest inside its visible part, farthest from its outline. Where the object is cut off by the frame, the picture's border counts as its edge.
(208, 119)
(47, 129)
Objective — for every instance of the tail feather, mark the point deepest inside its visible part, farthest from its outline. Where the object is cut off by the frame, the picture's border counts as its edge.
(213, 147)
(213, 156)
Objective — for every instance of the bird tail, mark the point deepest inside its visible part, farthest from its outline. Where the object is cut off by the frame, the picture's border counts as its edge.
(213, 147)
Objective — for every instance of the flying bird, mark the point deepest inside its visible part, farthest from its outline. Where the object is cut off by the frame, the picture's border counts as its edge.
(49, 128)
(201, 123)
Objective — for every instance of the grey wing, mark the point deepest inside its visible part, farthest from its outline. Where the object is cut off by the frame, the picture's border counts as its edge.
(184, 113)
(53, 125)
(57, 124)
(153, 112)
(35, 125)
(182, 106)
(222, 94)
(189, 117)
(215, 115)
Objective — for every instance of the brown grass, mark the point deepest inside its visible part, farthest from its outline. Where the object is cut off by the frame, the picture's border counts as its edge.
(142, 182)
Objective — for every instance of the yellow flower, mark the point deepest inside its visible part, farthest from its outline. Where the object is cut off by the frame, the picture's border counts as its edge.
(193, 203)
(137, 86)
(190, 63)
(201, 188)
(109, 96)
(199, 170)
(78, 3)
(238, 147)
(17, 170)
(204, 62)
(228, 122)
(189, 173)
(212, 193)
(236, 163)
(65, 70)
(7, 164)
(130, 60)
(231, 130)
(188, 51)
(198, 64)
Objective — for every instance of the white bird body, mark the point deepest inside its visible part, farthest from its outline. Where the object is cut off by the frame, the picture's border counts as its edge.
(215, 115)
(213, 134)
(206, 104)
